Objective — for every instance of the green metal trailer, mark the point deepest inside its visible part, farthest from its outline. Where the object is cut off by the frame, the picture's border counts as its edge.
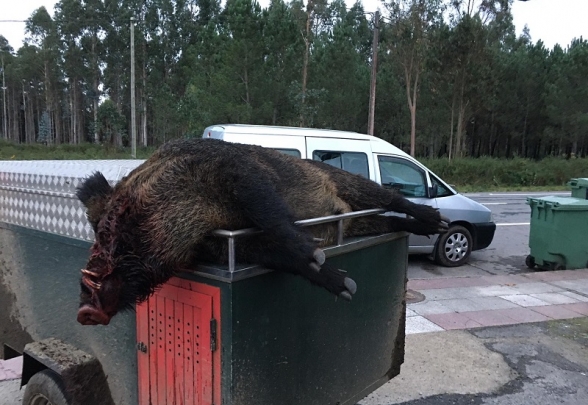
(232, 335)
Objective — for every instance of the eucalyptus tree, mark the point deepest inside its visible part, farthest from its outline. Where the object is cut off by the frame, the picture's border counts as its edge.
(116, 59)
(412, 23)
(341, 69)
(282, 63)
(27, 81)
(567, 98)
(476, 28)
(312, 19)
(392, 115)
(68, 21)
(243, 58)
(42, 33)
(5, 55)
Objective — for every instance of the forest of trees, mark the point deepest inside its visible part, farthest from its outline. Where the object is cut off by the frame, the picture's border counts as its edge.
(452, 72)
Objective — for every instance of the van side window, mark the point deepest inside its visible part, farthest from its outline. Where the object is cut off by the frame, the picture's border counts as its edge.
(402, 175)
(291, 152)
(354, 162)
(442, 191)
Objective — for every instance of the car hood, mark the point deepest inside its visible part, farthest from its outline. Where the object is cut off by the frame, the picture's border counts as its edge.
(461, 208)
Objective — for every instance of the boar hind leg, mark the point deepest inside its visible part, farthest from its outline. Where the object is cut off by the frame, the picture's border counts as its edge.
(363, 194)
(284, 246)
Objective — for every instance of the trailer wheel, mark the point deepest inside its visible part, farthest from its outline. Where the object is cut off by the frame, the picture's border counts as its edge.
(45, 388)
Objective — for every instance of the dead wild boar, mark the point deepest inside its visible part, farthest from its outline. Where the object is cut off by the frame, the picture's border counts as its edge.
(159, 219)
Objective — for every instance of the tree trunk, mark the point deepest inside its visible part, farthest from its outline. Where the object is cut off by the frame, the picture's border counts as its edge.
(144, 98)
(452, 126)
(57, 122)
(95, 84)
(460, 122)
(411, 100)
(524, 140)
(245, 80)
(48, 102)
(305, 64)
(413, 116)
(72, 113)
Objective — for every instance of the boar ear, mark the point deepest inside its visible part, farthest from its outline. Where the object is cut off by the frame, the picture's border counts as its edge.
(94, 193)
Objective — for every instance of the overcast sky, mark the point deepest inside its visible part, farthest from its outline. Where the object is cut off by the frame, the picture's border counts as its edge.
(553, 21)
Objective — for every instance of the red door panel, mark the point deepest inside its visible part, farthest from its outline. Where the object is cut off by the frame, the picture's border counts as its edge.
(176, 363)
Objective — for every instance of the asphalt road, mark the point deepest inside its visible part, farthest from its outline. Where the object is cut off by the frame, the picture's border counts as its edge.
(509, 248)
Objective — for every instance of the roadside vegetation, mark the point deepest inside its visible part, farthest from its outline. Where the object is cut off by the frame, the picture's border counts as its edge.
(487, 174)
(15, 151)
(466, 174)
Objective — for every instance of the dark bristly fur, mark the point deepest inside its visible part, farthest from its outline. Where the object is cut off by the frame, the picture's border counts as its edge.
(159, 218)
(94, 193)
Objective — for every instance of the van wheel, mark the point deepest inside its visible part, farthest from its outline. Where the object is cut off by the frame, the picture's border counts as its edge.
(45, 388)
(454, 247)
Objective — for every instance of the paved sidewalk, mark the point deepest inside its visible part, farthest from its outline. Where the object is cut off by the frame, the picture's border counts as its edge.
(10, 369)
(471, 302)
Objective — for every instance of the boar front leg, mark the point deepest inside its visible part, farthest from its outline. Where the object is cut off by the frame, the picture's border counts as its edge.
(284, 246)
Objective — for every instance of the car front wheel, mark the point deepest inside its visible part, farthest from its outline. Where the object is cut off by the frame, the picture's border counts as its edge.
(454, 247)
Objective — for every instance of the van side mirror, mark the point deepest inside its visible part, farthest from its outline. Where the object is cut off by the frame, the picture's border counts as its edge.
(433, 191)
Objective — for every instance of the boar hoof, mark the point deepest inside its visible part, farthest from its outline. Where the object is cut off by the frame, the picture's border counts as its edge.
(319, 256)
(350, 285)
(345, 295)
(315, 267)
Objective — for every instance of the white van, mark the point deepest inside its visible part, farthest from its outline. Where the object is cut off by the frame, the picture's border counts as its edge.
(471, 223)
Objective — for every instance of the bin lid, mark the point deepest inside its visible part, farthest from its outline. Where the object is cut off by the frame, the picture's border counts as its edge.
(578, 183)
(558, 203)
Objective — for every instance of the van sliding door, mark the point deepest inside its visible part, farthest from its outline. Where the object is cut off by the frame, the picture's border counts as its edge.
(353, 155)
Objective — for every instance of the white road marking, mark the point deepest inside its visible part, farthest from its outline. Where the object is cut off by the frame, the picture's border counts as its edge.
(514, 224)
(525, 195)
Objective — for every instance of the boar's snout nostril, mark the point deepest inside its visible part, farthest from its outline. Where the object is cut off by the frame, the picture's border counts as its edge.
(89, 315)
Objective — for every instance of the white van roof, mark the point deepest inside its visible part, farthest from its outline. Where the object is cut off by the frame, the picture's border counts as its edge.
(378, 145)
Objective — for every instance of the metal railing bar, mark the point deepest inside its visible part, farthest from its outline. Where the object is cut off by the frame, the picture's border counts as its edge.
(233, 235)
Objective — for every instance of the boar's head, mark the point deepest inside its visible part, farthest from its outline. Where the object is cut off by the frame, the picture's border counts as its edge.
(115, 278)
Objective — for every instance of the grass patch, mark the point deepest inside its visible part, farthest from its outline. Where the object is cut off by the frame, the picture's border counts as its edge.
(491, 174)
(14, 151)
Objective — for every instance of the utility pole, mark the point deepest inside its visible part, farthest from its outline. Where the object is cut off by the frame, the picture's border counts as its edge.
(133, 123)
(5, 134)
(374, 73)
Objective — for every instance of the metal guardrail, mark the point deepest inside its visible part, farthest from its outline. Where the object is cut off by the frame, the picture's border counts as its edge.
(233, 235)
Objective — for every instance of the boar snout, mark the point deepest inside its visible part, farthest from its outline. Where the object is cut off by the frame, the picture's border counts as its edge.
(89, 315)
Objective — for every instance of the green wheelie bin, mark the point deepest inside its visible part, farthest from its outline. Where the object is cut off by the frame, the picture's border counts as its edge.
(557, 234)
(579, 188)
